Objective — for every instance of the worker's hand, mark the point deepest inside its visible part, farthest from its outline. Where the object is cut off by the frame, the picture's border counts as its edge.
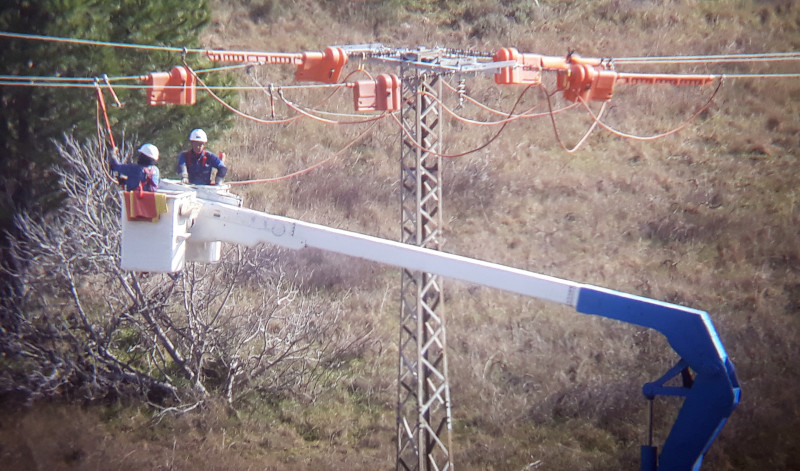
(218, 181)
(185, 180)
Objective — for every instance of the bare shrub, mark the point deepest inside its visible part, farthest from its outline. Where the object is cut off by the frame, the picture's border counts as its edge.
(83, 328)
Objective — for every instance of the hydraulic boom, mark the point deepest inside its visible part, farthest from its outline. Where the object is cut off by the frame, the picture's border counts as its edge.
(193, 228)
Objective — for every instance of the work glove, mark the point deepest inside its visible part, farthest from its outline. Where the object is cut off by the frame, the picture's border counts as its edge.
(185, 178)
(218, 180)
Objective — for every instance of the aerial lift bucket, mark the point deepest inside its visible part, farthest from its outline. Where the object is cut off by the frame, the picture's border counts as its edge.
(158, 240)
(154, 244)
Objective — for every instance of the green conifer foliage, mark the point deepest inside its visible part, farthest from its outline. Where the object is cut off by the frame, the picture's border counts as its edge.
(31, 117)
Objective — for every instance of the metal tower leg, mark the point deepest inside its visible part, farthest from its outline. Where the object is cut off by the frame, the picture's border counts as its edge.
(424, 423)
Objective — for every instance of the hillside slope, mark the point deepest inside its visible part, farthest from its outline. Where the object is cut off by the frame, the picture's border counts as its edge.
(708, 218)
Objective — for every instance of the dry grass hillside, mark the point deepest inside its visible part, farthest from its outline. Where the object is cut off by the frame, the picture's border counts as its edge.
(708, 218)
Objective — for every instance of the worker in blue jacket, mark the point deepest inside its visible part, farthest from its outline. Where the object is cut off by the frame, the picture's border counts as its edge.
(196, 164)
(143, 174)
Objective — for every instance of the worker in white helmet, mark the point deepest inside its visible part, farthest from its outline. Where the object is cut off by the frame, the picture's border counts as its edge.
(196, 164)
(143, 174)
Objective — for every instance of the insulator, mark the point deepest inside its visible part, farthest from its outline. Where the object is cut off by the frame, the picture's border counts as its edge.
(461, 89)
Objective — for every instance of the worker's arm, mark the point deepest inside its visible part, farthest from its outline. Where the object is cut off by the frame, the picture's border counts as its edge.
(222, 170)
(113, 163)
(180, 168)
(120, 169)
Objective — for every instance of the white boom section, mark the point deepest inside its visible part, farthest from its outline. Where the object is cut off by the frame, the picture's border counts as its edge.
(220, 222)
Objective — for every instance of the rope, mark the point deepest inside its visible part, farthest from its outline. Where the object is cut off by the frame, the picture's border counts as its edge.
(476, 102)
(462, 154)
(323, 120)
(588, 132)
(269, 92)
(280, 92)
(231, 108)
(657, 136)
(555, 128)
(306, 170)
(334, 113)
(526, 115)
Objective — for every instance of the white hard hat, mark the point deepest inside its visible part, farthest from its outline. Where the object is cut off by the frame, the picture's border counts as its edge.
(198, 135)
(149, 150)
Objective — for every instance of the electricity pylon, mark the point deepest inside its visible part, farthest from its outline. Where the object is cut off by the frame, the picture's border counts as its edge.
(424, 423)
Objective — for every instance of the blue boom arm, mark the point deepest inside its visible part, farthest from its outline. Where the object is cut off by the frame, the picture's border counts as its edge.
(710, 397)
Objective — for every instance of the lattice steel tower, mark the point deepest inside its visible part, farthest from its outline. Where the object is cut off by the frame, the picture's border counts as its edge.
(424, 422)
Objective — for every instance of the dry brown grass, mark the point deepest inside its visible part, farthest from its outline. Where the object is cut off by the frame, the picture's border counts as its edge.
(708, 218)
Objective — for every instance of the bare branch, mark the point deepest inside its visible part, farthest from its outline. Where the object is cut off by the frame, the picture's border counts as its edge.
(80, 325)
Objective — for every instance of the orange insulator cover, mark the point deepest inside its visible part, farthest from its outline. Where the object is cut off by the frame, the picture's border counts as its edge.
(381, 94)
(176, 87)
(670, 79)
(585, 82)
(506, 74)
(527, 71)
(325, 67)
(255, 57)
(603, 86)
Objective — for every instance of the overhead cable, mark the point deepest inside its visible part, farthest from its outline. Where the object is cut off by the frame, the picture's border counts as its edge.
(759, 57)
(91, 42)
(308, 169)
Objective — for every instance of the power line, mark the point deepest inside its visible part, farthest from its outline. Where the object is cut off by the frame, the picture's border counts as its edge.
(402, 55)
(758, 57)
(26, 82)
(91, 42)
(386, 51)
(41, 78)
(775, 75)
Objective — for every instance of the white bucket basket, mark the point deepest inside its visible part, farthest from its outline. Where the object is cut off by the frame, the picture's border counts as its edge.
(158, 246)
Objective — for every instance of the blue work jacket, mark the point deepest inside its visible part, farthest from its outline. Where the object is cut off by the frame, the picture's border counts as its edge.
(198, 167)
(135, 175)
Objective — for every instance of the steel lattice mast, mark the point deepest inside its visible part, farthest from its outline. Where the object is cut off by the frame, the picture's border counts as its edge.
(423, 407)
